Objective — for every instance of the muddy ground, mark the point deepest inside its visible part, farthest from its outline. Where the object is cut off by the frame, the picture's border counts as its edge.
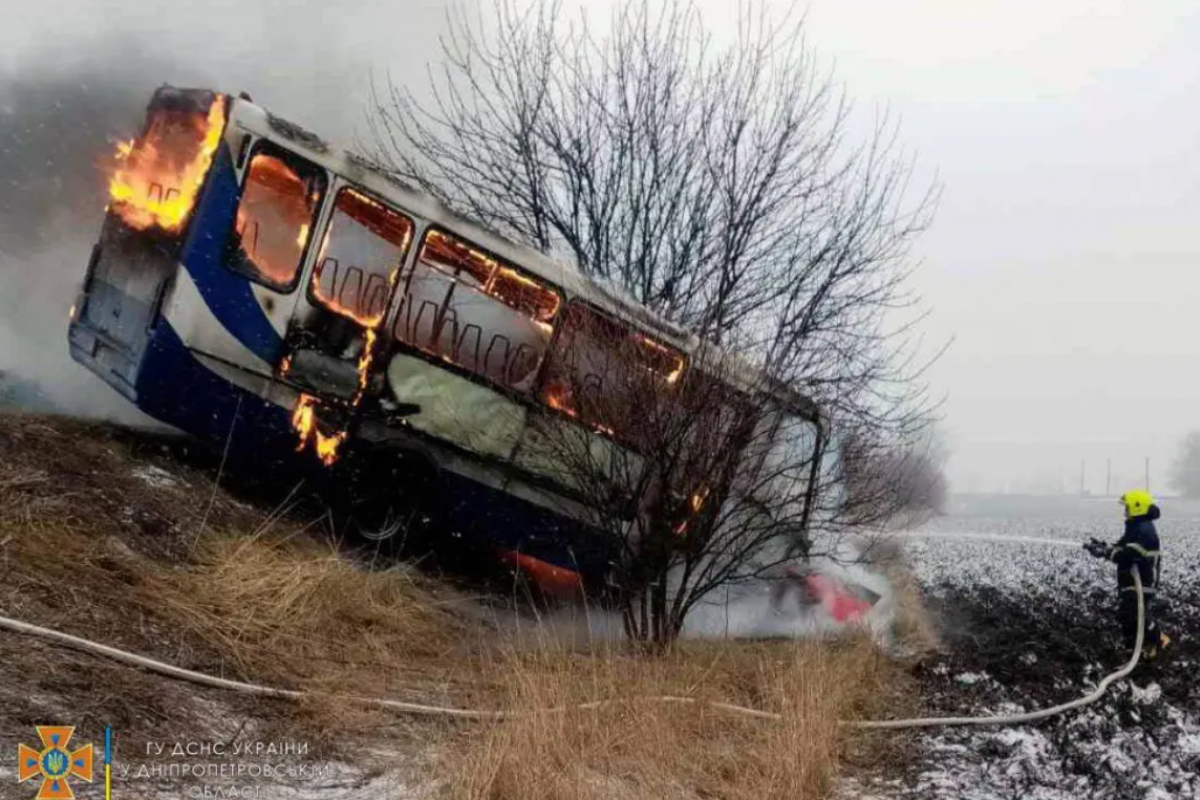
(1030, 624)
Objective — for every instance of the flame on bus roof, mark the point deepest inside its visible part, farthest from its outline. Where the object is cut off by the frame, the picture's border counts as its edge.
(159, 174)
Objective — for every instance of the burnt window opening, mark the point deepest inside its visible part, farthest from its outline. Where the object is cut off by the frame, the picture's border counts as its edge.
(158, 175)
(360, 259)
(477, 312)
(610, 376)
(275, 217)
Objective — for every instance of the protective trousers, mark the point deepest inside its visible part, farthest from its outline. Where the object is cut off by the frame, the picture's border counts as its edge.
(1127, 614)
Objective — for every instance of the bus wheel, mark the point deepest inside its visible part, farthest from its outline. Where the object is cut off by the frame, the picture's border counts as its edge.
(393, 503)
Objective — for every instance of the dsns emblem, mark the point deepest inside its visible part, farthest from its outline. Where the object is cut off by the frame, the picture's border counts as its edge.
(54, 763)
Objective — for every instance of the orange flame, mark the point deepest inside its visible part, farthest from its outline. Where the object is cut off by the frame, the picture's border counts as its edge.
(668, 353)
(160, 174)
(304, 415)
(556, 398)
(696, 502)
(304, 420)
(333, 305)
(364, 363)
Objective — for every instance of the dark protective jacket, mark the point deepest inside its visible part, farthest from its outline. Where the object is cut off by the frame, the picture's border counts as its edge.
(1138, 548)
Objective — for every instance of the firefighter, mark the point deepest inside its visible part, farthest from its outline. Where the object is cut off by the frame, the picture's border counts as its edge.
(1137, 549)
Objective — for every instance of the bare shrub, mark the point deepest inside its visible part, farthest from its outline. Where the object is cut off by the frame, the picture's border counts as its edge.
(886, 482)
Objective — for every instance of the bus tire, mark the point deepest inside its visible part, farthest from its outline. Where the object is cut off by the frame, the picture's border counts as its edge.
(393, 502)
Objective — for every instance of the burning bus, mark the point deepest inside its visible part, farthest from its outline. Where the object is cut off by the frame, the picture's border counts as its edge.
(254, 286)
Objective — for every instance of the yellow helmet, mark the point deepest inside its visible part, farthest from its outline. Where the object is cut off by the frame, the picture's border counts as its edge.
(1137, 502)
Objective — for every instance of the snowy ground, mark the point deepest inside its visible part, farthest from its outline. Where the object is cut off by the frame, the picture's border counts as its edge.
(1028, 622)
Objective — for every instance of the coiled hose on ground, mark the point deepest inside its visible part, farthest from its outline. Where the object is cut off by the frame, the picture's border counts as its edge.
(172, 671)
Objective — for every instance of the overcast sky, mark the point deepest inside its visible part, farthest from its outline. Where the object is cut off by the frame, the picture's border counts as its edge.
(1063, 260)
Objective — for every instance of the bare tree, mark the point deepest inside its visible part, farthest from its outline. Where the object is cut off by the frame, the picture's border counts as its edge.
(691, 479)
(1185, 470)
(890, 483)
(718, 186)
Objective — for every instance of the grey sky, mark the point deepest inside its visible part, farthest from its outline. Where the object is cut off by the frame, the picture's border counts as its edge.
(1064, 256)
(303, 58)
(1063, 259)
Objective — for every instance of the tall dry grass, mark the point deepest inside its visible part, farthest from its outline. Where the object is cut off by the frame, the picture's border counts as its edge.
(635, 747)
(298, 611)
(182, 571)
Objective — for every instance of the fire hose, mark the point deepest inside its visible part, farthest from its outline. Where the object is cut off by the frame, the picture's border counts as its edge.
(418, 709)
(1033, 716)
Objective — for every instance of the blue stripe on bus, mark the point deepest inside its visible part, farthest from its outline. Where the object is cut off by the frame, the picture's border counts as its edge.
(226, 293)
(512, 523)
(175, 388)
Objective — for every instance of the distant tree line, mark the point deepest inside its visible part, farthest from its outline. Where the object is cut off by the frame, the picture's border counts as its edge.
(1185, 471)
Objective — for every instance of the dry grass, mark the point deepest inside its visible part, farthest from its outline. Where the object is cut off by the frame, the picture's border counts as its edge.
(637, 748)
(294, 611)
(915, 631)
(88, 548)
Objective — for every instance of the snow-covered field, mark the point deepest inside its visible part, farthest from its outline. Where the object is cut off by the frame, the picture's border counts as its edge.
(1028, 621)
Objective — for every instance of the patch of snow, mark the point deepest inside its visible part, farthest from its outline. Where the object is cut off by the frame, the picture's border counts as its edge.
(1151, 694)
(155, 477)
(971, 678)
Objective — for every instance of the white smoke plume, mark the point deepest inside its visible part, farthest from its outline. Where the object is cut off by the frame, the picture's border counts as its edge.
(57, 125)
(754, 609)
(67, 95)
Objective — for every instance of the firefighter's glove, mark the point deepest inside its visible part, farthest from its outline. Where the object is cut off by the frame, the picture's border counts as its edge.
(1097, 548)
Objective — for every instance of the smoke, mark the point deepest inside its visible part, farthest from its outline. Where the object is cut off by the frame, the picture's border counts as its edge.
(66, 97)
(753, 609)
(57, 126)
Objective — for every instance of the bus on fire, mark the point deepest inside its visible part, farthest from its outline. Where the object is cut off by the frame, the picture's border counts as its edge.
(254, 286)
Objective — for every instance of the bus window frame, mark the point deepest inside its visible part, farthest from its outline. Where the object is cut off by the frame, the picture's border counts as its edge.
(531, 396)
(433, 227)
(233, 238)
(539, 384)
(326, 221)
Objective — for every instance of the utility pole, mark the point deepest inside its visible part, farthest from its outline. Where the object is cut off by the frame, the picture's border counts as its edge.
(1108, 480)
(1083, 477)
(1147, 473)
